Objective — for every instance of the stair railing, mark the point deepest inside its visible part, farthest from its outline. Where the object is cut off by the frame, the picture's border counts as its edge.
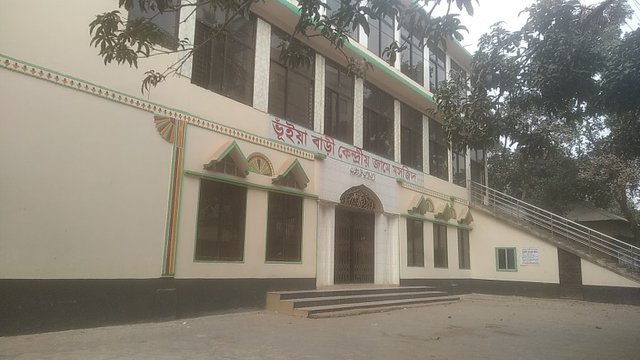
(525, 214)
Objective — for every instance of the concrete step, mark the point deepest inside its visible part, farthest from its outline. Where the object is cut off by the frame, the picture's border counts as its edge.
(368, 307)
(346, 300)
(286, 295)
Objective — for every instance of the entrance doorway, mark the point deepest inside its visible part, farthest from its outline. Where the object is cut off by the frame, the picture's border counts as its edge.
(354, 246)
(570, 269)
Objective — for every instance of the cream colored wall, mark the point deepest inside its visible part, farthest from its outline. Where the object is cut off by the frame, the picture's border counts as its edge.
(489, 233)
(83, 184)
(200, 145)
(66, 49)
(429, 271)
(593, 274)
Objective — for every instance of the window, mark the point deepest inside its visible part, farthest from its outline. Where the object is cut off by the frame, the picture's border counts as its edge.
(225, 63)
(458, 162)
(284, 228)
(437, 67)
(338, 103)
(381, 34)
(221, 221)
(378, 121)
(438, 151)
(228, 166)
(411, 137)
(506, 259)
(415, 243)
(477, 158)
(457, 70)
(332, 10)
(412, 57)
(290, 89)
(440, 255)
(464, 261)
(167, 22)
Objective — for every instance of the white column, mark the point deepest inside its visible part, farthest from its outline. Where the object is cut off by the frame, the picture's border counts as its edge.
(447, 64)
(318, 110)
(425, 144)
(363, 38)
(261, 69)
(394, 249)
(381, 249)
(325, 244)
(426, 68)
(467, 165)
(397, 38)
(450, 163)
(358, 125)
(187, 29)
(397, 144)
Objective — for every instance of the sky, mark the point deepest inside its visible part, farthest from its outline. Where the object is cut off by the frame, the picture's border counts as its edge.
(488, 12)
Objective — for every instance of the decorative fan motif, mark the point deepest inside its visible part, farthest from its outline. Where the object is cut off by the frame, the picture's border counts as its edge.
(165, 126)
(260, 164)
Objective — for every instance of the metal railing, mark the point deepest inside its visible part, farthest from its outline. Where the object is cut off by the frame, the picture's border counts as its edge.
(589, 240)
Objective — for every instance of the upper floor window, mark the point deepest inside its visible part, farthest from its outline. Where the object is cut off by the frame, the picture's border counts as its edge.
(477, 159)
(338, 103)
(378, 121)
(290, 89)
(224, 63)
(167, 22)
(412, 57)
(459, 165)
(332, 10)
(381, 34)
(457, 70)
(437, 67)
(438, 151)
(411, 137)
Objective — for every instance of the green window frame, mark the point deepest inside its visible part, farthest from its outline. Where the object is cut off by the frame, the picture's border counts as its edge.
(221, 222)
(506, 259)
(440, 251)
(284, 228)
(415, 243)
(464, 252)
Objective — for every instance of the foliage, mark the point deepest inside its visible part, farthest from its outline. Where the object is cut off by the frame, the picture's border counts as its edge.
(561, 99)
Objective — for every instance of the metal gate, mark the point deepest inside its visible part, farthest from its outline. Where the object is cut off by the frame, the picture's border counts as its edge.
(354, 246)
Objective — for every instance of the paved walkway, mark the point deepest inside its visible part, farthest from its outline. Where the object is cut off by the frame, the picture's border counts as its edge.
(478, 327)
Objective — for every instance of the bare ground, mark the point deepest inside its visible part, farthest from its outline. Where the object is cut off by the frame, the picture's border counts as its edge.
(477, 327)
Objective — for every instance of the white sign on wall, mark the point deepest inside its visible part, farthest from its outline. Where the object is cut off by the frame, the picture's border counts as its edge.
(530, 256)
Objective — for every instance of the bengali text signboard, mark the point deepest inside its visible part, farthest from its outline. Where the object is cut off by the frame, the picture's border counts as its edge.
(295, 135)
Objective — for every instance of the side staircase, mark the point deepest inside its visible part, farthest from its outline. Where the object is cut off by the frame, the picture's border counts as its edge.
(351, 301)
(611, 253)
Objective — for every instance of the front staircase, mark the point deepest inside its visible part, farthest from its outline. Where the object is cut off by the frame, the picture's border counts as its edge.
(611, 253)
(335, 302)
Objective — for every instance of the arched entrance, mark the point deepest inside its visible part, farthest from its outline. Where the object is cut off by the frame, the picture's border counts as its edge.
(354, 252)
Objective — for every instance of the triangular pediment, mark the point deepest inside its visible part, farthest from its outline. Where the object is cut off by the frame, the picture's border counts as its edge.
(229, 159)
(467, 219)
(421, 205)
(446, 212)
(292, 174)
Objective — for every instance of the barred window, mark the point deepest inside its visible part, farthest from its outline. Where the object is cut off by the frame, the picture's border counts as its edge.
(284, 228)
(224, 63)
(440, 254)
(415, 243)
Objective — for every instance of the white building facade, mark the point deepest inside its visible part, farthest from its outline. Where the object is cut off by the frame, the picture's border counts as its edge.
(238, 177)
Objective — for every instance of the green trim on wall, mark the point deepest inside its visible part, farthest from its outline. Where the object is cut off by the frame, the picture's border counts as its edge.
(515, 259)
(233, 181)
(435, 221)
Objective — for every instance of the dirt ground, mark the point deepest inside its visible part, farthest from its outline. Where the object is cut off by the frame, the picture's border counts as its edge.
(477, 327)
